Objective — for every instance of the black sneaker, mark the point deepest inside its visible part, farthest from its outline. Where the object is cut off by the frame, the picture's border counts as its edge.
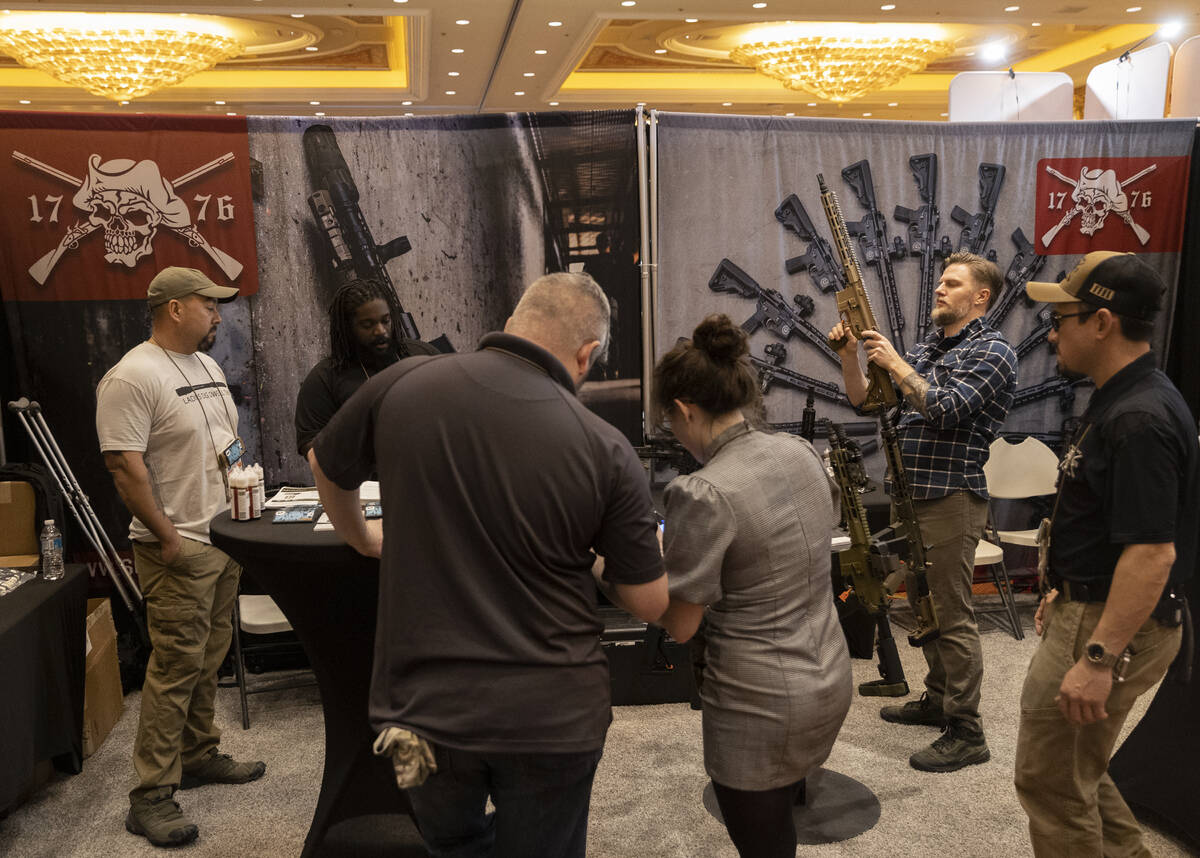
(920, 711)
(157, 817)
(955, 749)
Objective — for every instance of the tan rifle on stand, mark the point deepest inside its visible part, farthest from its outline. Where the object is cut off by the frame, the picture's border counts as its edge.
(854, 308)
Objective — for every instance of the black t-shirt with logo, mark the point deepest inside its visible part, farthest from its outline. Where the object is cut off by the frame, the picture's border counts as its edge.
(496, 484)
(1131, 476)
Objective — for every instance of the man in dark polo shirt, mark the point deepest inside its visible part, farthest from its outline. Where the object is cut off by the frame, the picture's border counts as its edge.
(1121, 543)
(363, 339)
(497, 486)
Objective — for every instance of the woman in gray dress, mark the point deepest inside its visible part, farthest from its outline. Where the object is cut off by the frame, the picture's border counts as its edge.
(746, 546)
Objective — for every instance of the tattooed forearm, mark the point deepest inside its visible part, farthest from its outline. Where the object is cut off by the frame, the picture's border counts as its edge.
(914, 388)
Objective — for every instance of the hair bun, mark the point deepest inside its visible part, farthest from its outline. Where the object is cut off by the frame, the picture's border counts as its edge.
(719, 338)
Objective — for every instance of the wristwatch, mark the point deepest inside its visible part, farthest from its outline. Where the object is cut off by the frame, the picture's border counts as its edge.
(1099, 656)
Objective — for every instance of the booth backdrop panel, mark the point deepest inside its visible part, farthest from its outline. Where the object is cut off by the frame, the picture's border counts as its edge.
(721, 179)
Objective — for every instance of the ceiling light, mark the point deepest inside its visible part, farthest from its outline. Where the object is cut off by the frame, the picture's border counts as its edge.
(628, 2)
(218, 102)
(893, 104)
(944, 114)
(540, 51)
(789, 114)
(399, 1)
(231, 113)
(408, 114)
(554, 23)
(1036, 24)
(117, 56)
(812, 104)
(553, 104)
(451, 92)
(124, 102)
(319, 113)
(840, 62)
(1170, 29)
(866, 114)
(519, 92)
(528, 74)
(1012, 8)
(297, 14)
(690, 20)
(314, 103)
(406, 103)
(994, 51)
(1134, 9)
(456, 50)
(660, 50)
(759, 5)
(727, 104)
(311, 48)
(462, 22)
(451, 74)
(887, 7)
(26, 101)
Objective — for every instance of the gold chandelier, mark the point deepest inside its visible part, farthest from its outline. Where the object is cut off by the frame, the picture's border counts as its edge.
(841, 62)
(114, 55)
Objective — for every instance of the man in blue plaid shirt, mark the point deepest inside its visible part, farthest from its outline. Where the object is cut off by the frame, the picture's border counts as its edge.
(957, 385)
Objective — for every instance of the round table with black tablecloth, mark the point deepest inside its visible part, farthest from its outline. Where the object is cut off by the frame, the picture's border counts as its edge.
(329, 594)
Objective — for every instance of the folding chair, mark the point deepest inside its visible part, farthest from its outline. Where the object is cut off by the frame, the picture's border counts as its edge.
(259, 615)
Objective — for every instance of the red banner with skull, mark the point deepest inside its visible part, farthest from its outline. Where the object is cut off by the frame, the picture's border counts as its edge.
(1123, 204)
(99, 204)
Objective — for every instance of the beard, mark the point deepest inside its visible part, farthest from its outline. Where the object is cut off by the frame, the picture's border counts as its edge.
(378, 354)
(943, 316)
(1068, 373)
(206, 344)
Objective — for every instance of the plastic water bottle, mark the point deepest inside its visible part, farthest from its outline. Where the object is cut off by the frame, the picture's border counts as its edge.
(52, 559)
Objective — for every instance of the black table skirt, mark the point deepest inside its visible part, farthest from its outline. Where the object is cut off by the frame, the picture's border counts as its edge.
(329, 593)
(42, 627)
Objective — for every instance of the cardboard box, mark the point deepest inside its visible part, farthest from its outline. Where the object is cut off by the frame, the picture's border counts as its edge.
(18, 530)
(102, 698)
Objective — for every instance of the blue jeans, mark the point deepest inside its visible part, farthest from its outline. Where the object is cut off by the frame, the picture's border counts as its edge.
(541, 804)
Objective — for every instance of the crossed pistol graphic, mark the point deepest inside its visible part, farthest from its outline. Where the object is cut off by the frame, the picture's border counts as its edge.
(41, 269)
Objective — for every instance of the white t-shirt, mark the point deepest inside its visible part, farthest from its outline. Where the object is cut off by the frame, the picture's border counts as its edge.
(176, 409)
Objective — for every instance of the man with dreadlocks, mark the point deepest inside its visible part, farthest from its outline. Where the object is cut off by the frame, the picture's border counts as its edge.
(362, 340)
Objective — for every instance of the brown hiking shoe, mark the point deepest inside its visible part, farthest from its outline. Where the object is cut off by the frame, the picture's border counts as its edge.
(221, 769)
(920, 711)
(157, 817)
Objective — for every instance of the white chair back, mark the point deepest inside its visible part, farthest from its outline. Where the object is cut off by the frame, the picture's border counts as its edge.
(1024, 470)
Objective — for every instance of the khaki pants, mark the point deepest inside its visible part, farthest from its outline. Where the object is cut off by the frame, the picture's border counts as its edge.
(951, 527)
(189, 612)
(1062, 777)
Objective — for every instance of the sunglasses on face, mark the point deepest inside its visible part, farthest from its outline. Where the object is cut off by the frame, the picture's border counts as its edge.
(1056, 319)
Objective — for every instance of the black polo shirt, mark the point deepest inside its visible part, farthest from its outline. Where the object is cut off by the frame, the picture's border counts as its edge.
(497, 484)
(326, 388)
(1132, 475)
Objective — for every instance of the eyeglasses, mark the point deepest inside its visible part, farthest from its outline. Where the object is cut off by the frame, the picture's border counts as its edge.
(1056, 319)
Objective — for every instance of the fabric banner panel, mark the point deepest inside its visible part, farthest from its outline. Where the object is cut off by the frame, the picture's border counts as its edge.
(1031, 196)
(100, 203)
(487, 203)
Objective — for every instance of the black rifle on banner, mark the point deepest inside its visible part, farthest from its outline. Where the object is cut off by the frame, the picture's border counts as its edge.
(1024, 267)
(773, 312)
(869, 567)
(818, 260)
(1037, 336)
(771, 371)
(855, 310)
(923, 224)
(353, 253)
(1063, 388)
(669, 452)
(977, 228)
(857, 428)
(878, 250)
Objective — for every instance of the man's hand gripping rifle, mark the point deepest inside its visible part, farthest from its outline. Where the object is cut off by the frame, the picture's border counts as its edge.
(854, 308)
(868, 567)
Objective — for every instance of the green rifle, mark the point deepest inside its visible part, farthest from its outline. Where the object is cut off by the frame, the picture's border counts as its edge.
(869, 567)
(854, 308)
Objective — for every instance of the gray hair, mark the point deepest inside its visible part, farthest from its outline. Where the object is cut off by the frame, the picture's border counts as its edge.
(563, 312)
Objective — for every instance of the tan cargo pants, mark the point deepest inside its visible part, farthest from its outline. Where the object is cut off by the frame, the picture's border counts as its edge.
(1062, 777)
(951, 527)
(189, 613)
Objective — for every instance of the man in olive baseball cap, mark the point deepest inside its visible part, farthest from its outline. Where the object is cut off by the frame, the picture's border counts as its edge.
(175, 282)
(1121, 282)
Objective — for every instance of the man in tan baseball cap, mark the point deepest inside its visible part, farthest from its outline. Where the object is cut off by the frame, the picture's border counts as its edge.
(176, 282)
(1122, 544)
